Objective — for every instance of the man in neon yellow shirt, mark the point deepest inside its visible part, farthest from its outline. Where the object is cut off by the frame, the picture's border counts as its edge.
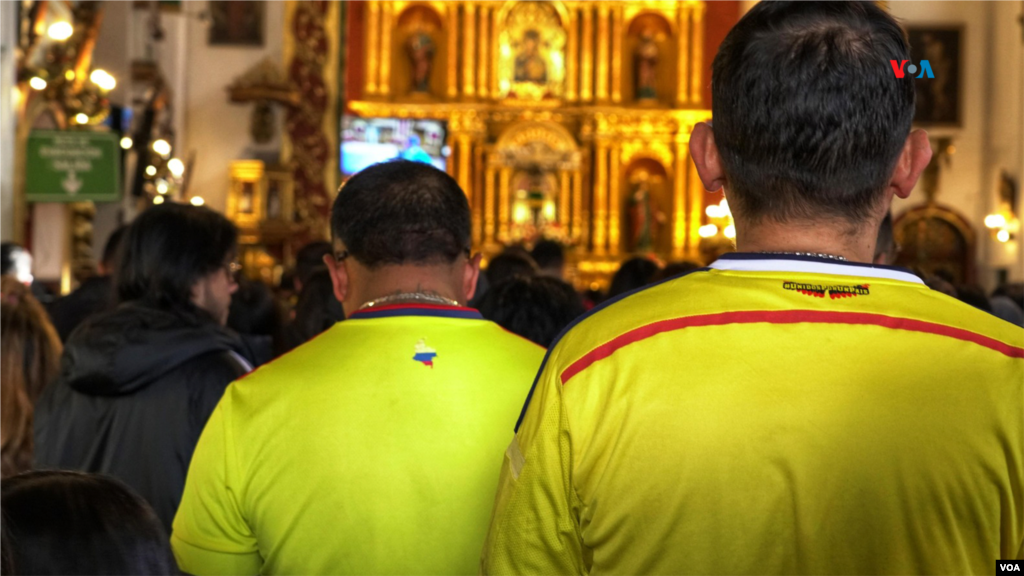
(374, 448)
(791, 409)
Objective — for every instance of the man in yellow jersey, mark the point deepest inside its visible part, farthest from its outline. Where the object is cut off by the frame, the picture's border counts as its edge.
(374, 448)
(791, 408)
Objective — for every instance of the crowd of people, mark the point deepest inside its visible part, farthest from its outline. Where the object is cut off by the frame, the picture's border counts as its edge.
(797, 406)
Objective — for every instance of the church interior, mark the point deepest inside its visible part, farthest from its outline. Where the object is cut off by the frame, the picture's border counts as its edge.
(566, 121)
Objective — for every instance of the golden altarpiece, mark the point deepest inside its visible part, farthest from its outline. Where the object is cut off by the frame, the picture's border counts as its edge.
(566, 120)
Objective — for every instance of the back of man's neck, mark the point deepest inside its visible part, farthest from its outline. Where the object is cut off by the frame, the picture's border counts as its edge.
(831, 239)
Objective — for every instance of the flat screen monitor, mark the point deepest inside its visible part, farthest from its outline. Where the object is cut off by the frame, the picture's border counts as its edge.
(366, 141)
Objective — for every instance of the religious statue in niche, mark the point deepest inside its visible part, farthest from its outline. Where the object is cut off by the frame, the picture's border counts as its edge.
(645, 219)
(421, 57)
(533, 206)
(530, 67)
(531, 53)
(646, 64)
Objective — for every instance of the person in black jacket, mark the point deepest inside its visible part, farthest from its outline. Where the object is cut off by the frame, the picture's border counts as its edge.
(95, 295)
(138, 383)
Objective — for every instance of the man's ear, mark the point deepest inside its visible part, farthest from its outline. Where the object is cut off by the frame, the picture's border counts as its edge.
(470, 276)
(339, 277)
(705, 157)
(914, 158)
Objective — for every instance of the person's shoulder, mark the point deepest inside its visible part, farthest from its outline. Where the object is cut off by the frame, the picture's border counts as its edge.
(959, 316)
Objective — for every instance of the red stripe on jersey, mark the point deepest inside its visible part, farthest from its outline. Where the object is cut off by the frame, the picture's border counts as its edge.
(784, 317)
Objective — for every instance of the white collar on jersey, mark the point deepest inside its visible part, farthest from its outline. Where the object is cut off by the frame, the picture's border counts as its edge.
(750, 262)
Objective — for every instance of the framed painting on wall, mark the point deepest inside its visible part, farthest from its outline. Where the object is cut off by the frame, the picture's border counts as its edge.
(237, 23)
(938, 98)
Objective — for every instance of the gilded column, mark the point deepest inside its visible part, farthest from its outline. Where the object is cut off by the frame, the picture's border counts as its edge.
(680, 246)
(476, 206)
(697, 65)
(469, 47)
(572, 59)
(587, 54)
(483, 80)
(577, 207)
(503, 219)
(489, 205)
(453, 50)
(372, 47)
(495, 53)
(617, 54)
(683, 55)
(563, 200)
(384, 84)
(614, 222)
(600, 228)
(601, 91)
(695, 205)
(465, 156)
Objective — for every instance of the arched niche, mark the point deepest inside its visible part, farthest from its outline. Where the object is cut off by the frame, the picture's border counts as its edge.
(936, 240)
(531, 50)
(650, 34)
(419, 28)
(647, 206)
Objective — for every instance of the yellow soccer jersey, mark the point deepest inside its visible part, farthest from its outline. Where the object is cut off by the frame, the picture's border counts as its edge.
(770, 414)
(373, 449)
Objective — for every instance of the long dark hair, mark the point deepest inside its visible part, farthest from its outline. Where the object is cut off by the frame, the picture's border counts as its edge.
(168, 249)
(61, 522)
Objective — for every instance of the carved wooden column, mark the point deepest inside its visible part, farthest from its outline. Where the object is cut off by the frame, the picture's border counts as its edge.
(503, 207)
(469, 49)
(617, 54)
(587, 55)
(386, 24)
(614, 201)
(680, 225)
(600, 209)
(572, 58)
(453, 49)
(495, 53)
(565, 195)
(489, 177)
(577, 208)
(697, 64)
(601, 90)
(486, 59)
(683, 72)
(372, 46)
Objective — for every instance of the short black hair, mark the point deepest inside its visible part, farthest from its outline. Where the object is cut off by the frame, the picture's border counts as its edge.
(310, 259)
(509, 264)
(632, 274)
(62, 522)
(402, 212)
(169, 248)
(548, 254)
(537, 308)
(111, 250)
(809, 118)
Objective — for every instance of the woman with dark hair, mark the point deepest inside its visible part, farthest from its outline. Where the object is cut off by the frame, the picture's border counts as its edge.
(138, 383)
(58, 522)
(316, 311)
(534, 307)
(29, 358)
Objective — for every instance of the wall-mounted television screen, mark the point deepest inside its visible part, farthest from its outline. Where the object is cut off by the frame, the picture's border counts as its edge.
(366, 141)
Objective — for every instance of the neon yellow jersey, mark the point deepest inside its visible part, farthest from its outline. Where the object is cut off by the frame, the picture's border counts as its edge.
(774, 414)
(373, 449)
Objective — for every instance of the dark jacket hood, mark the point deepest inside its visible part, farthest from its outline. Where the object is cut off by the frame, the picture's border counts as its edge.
(126, 349)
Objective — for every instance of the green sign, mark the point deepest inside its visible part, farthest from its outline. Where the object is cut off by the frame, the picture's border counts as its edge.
(73, 166)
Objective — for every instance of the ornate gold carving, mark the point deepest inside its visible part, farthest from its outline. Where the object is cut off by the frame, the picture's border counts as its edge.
(372, 46)
(683, 74)
(697, 54)
(587, 53)
(469, 44)
(453, 49)
(601, 90)
(384, 83)
(617, 55)
(614, 201)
